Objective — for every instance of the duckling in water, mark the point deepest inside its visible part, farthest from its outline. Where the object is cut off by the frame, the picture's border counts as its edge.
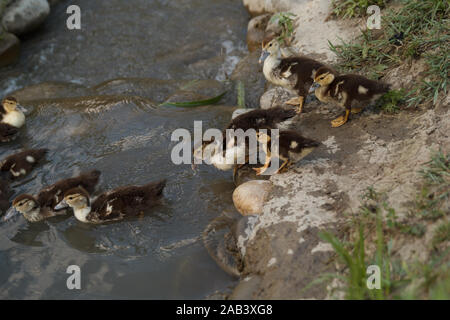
(113, 205)
(346, 89)
(294, 73)
(43, 206)
(20, 164)
(12, 117)
(292, 147)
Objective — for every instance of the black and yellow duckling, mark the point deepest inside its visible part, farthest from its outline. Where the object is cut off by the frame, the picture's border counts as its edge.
(21, 164)
(292, 147)
(294, 73)
(345, 90)
(43, 206)
(113, 205)
(12, 117)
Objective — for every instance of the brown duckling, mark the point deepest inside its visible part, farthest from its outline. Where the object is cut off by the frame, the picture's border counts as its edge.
(7, 132)
(345, 90)
(113, 205)
(294, 73)
(21, 164)
(44, 204)
(292, 147)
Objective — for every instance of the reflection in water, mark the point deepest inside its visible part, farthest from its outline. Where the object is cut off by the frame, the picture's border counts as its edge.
(118, 128)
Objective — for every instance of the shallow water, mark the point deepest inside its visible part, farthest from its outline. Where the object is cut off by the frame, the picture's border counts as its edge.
(119, 129)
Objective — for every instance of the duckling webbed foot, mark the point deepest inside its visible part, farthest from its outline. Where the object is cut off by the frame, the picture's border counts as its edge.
(299, 102)
(339, 121)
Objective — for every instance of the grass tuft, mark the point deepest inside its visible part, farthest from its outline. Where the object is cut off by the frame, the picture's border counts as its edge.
(354, 8)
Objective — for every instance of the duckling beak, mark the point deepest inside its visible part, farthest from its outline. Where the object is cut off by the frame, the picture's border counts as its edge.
(10, 213)
(63, 204)
(21, 108)
(314, 87)
(264, 55)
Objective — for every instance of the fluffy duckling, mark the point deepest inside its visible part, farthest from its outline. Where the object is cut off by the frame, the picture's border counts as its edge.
(20, 164)
(5, 193)
(113, 205)
(232, 153)
(12, 113)
(7, 132)
(43, 206)
(294, 73)
(345, 90)
(292, 147)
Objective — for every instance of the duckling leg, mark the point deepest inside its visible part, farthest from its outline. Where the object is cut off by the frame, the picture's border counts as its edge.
(356, 110)
(262, 169)
(300, 101)
(341, 120)
(286, 161)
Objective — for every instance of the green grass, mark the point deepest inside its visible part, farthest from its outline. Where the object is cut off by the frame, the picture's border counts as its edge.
(376, 229)
(285, 21)
(419, 29)
(354, 8)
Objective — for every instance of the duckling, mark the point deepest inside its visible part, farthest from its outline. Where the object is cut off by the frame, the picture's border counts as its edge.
(12, 113)
(346, 89)
(43, 206)
(292, 147)
(5, 193)
(113, 205)
(294, 73)
(20, 164)
(7, 132)
(261, 119)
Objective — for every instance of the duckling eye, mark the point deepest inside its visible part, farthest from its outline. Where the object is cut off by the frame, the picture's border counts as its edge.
(270, 44)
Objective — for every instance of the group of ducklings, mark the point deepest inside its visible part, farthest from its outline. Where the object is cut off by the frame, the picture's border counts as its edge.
(75, 192)
(301, 75)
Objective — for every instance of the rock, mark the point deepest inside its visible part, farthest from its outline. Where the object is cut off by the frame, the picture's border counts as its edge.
(250, 197)
(275, 97)
(255, 7)
(249, 72)
(9, 49)
(247, 173)
(25, 15)
(240, 111)
(256, 31)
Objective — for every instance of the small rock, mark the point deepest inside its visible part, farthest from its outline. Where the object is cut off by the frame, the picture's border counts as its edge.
(249, 198)
(9, 49)
(25, 15)
(275, 97)
(255, 7)
(256, 31)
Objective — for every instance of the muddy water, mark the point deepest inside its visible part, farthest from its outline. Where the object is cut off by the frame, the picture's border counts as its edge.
(119, 128)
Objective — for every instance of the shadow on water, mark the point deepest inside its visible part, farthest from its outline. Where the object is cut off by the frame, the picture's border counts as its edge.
(118, 128)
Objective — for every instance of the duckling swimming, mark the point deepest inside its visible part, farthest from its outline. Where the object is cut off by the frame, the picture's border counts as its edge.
(43, 206)
(20, 164)
(292, 148)
(113, 205)
(294, 73)
(12, 117)
(346, 89)
(12, 113)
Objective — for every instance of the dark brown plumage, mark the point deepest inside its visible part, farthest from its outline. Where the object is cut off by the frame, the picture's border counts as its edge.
(52, 195)
(22, 163)
(7, 132)
(347, 89)
(116, 204)
(261, 119)
(292, 147)
(5, 194)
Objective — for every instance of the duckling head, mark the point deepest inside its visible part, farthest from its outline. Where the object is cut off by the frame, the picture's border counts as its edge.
(270, 48)
(263, 137)
(324, 76)
(76, 198)
(14, 112)
(25, 204)
(10, 105)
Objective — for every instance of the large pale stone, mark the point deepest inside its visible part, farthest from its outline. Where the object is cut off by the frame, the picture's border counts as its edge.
(249, 198)
(24, 16)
